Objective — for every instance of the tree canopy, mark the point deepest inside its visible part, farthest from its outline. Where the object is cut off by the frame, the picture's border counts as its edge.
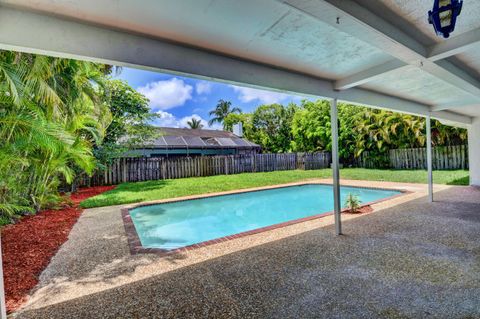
(272, 127)
(306, 128)
(127, 106)
(130, 125)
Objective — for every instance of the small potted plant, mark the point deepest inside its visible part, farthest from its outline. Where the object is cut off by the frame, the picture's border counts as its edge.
(353, 203)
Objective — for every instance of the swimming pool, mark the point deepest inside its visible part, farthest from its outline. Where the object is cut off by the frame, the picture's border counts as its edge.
(178, 224)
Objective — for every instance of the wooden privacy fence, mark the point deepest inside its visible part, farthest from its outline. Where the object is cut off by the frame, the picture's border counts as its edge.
(137, 169)
(444, 157)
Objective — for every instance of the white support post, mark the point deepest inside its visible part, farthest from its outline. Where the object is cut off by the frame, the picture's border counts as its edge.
(429, 158)
(474, 151)
(3, 308)
(335, 167)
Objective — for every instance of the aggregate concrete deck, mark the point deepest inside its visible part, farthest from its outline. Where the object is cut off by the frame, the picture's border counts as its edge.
(407, 259)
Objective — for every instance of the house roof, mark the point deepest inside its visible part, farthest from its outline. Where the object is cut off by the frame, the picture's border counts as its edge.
(199, 138)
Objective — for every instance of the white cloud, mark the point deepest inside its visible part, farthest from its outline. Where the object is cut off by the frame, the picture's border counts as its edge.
(167, 94)
(166, 119)
(169, 120)
(203, 87)
(266, 97)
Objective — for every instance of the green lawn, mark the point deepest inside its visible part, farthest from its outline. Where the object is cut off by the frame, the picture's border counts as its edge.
(161, 189)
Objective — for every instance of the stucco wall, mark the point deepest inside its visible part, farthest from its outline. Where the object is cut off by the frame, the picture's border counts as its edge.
(474, 151)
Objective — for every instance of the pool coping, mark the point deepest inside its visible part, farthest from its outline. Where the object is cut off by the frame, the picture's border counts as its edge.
(136, 247)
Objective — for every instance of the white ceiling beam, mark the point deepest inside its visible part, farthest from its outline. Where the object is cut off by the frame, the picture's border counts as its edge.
(439, 51)
(457, 77)
(439, 116)
(370, 28)
(369, 74)
(454, 46)
(445, 107)
(442, 69)
(38, 33)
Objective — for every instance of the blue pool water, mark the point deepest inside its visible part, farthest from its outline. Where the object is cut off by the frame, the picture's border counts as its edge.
(179, 224)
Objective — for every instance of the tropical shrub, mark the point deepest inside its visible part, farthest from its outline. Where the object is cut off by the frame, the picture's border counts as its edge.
(353, 202)
(50, 117)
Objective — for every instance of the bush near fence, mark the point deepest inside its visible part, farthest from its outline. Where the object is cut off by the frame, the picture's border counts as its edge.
(137, 169)
(368, 160)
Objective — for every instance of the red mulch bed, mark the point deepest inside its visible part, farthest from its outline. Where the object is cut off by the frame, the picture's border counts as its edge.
(28, 245)
(361, 210)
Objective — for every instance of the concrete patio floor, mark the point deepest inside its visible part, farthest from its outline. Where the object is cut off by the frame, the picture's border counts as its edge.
(407, 259)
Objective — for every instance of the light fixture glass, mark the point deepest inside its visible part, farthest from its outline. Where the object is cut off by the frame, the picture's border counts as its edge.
(444, 15)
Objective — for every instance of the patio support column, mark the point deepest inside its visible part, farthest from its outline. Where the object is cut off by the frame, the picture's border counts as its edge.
(429, 159)
(335, 166)
(474, 151)
(3, 308)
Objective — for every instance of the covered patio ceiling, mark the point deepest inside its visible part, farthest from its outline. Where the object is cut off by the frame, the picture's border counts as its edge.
(378, 53)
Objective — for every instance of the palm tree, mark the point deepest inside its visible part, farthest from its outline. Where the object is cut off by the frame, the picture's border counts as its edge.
(195, 124)
(51, 114)
(222, 109)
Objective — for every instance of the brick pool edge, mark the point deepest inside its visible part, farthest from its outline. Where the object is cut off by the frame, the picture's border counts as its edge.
(135, 243)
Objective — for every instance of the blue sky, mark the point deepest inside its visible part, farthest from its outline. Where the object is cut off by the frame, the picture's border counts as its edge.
(177, 99)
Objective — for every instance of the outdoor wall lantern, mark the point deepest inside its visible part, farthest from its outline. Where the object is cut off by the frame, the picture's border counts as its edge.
(444, 15)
